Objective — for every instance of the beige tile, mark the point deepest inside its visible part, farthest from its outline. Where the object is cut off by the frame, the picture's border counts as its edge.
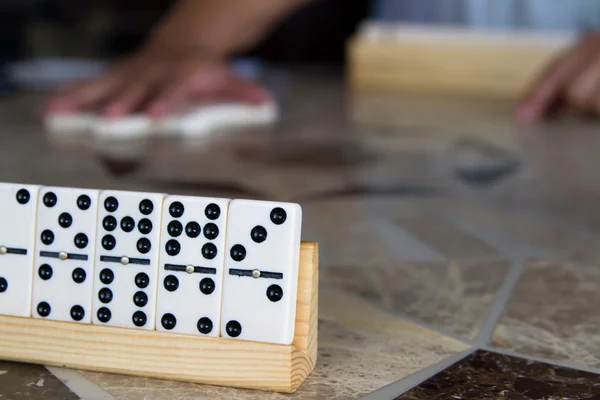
(553, 313)
(369, 347)
(280, 168)
(539, 233)
(398, 167)
(361, 348)
(455, 297)
(392, 208)
(417, 217)
(347, 233)
(446, 239)
(289, 183)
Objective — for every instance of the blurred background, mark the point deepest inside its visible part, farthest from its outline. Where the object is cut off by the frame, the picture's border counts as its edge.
(427, 197)
(52, 30)
(48, 31)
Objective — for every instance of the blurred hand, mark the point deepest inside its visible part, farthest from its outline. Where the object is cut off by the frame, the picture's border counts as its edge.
(156, 83)
(572, 81)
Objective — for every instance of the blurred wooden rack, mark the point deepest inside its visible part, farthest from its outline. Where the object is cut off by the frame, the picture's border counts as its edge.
(388, 57)
(155, 354)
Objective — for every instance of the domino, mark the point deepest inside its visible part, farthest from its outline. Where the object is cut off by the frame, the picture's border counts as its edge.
(208, 119)
(18, 207)
(127, 259)
(64, 257)
(191, 265)
(69, 123)
(261, 271)
(196, 121)
(123, 128)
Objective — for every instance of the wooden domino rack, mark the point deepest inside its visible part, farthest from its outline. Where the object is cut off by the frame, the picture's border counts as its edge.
(443, 59)
(155, 354)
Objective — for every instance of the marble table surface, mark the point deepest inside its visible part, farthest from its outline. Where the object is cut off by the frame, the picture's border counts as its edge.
(459, 251)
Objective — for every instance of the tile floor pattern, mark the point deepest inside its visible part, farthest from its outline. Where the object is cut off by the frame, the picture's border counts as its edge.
(489, 376)
(24, 382)
(434, 283)
(452, 296)
(553, 313)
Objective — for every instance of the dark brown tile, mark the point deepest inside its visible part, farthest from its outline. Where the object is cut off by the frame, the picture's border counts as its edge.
(553, 313)
(26, 381)
(491, 376)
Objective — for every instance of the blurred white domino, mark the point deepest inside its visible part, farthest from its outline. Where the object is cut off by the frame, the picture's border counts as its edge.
(135, 126)
(199, 121)
(69, 123)
(123, 128)
(208, 119)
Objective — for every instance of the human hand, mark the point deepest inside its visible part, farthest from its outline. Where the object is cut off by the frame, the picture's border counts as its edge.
(572, 81)
(156, 83)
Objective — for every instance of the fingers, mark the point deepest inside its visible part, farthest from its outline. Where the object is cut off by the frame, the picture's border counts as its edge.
(158, 87)
(69, 97)
(582, 93)
(246, 90)
(207, 84)
(135, 93)
(548, 87)
(92, 93)
(594, 103)
(558, 80)
(83, 94)
(170, 98)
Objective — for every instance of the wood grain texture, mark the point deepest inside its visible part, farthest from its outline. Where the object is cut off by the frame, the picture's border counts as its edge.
(304, 356)
(155, 354)
(472, 62)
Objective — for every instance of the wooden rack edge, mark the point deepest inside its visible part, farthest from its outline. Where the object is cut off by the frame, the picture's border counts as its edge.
(471, 64)
(186, 358)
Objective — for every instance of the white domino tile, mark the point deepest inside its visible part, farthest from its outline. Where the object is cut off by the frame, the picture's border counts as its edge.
(127, 259)
(261, 271)
(17, 246)
(64, 257)
(192, 252)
